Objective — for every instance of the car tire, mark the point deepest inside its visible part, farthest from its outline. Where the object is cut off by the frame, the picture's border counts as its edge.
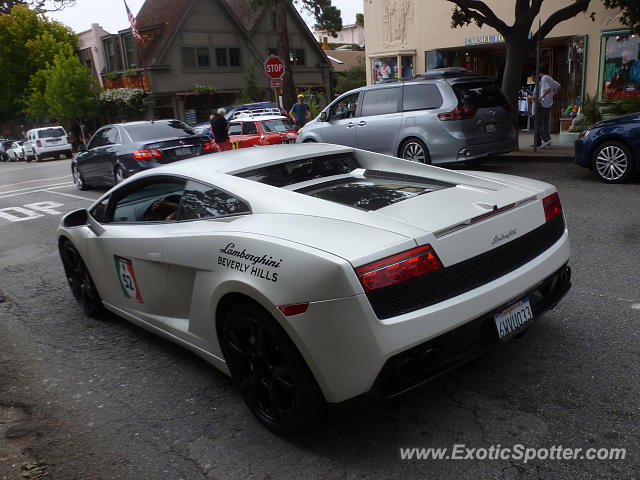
(118, 175)
(78, 179)
(268, 371)
(309, 140)
(82, 286)
(37, 157)
(613, 162)
(27, 158)
(415, 150)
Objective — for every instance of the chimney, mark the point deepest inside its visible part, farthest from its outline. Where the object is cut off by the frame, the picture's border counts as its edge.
(325, 43)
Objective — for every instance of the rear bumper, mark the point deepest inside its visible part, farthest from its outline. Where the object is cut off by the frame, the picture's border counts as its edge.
(471, 152)
(53, 149)
(424, 362)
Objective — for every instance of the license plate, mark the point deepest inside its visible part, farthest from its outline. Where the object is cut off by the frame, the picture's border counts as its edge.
(490, 128)
(513, 318)
(183, 151)
(53, 140)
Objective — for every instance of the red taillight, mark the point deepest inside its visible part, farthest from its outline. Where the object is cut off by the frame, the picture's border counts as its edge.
(294, 309)
(460, 113)
(39, 143)
(146, 154)
(210, 147)
(398, 268)
(552, 206)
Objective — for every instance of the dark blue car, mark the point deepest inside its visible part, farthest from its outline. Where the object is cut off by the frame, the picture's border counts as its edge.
(611, 148)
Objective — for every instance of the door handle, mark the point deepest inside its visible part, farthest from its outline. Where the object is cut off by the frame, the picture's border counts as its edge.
(351, 125)
(154, 257)
(362, 123)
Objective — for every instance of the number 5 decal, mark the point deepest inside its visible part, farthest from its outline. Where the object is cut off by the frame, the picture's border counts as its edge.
(124, 269)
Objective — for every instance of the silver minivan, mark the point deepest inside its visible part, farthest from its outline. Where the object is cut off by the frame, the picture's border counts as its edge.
(437, 119)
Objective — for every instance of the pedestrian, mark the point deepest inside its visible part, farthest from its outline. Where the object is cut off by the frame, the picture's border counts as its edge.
(300, 113)
(220, 130)
(548, 88)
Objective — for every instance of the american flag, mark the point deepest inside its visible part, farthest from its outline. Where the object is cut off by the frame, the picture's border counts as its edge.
(132, 21)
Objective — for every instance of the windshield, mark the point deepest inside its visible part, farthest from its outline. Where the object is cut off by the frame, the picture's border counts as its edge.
(153, 130)
(298, 171)
(51, 132)
(279, 125)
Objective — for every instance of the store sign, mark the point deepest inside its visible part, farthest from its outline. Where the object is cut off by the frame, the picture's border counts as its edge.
(486, 39)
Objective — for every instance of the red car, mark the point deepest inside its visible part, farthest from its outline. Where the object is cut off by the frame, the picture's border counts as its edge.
(251, 131)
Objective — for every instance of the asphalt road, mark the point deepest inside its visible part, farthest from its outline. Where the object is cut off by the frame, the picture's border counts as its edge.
(106, 400)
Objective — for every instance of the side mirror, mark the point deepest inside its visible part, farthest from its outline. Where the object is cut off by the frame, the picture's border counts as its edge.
(82, 148)
(323, 116)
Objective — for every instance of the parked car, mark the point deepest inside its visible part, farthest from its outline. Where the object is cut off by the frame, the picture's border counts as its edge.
(249, 131)
(436, 119)
(117, 151)
(16, 152)
(5, 145)
(47, 142)
(316, 273)
(203, 128)
(265, 107)
(611, 149)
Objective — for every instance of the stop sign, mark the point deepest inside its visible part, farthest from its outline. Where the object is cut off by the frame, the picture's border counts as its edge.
(274, 67)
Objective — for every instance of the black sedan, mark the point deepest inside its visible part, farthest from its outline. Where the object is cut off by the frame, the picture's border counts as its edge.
(117, 151)
(611, 149)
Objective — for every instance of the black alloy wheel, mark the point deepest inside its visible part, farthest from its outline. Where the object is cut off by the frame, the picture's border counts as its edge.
(38, 158)
(268, 371)
(414, 150)
(80, 281)
(78, 179)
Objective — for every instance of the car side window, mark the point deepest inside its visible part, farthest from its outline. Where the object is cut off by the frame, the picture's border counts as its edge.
(235, 129)
(149, 200)
(344, 108)
(99, 139)
(99, 212)
(380, 101)
(112, 136)
(202, 201)
(249, 128)
(421, 97)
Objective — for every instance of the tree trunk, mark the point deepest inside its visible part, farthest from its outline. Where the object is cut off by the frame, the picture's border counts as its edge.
(517, 51)
(282, 33)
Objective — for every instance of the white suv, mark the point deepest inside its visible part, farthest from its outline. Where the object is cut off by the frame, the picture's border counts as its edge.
(46, 142)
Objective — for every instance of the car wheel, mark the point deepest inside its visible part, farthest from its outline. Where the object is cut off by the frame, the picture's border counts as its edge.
(37, 157)
(612, 162)
(78, 179)
(80, 281)
(268, 371)
(119, 175)
(309, 140)
(27, 158)
(414, 150)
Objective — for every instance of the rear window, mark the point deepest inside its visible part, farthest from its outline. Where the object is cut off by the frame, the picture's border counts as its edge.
(156, 130)
(51, 132)
(298, 171)
(270, 126)
(479, 94)
(368, 193)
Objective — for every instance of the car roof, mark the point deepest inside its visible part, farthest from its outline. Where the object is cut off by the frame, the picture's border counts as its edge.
(257, 118)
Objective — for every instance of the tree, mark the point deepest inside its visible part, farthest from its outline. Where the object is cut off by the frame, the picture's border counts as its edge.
(71, 93)
(29, 42)
(351, 78)
(252, 92)
(516, 36)
(360, 20)
(327, 18)
(37, 5)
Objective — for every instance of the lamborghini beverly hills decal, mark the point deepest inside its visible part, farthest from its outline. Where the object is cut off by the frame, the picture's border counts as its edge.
(256, 265)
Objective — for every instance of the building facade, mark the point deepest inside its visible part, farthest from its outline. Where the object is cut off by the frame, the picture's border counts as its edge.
(90, 50)
(194, 55)
(586, 56)
(349, 34)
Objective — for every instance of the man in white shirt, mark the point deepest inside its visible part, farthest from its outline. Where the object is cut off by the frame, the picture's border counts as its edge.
(549, 87)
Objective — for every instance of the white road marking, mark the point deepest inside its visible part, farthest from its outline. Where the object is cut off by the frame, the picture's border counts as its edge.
(38, 187)
(70, 195)
(27, 191)
(32, 181)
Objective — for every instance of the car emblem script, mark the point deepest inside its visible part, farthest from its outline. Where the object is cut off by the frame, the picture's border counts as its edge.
(501, 236)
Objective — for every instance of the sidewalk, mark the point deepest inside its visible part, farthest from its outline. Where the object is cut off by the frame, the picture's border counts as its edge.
(557, 151)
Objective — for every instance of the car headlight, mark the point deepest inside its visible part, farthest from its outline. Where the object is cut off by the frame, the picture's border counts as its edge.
(584, 134)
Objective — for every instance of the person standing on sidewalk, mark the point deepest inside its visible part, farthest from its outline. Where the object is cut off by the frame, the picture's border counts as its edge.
(300, 113)
(220, 130)
(548, 88)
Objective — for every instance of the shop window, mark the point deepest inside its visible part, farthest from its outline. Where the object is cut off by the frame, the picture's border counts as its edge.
(381, 101)
(384, 69)
(421, 97)
(195, 57)
(621, 65)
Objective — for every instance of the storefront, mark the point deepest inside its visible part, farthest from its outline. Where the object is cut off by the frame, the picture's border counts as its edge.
(392, 66)
(619, 64)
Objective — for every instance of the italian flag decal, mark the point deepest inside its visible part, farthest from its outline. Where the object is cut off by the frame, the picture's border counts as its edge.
(124, 269)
